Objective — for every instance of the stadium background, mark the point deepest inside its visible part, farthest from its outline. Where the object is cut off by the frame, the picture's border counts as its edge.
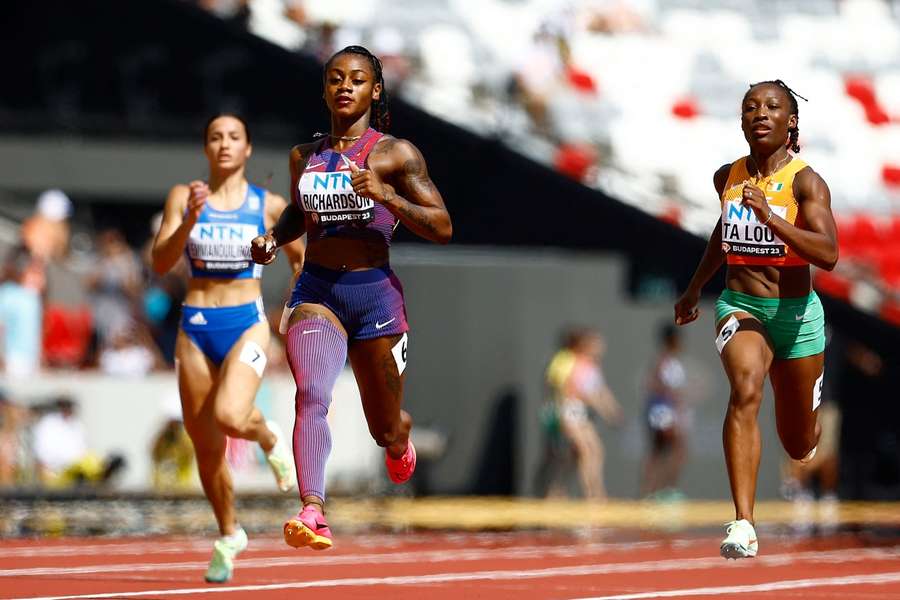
(106, 101)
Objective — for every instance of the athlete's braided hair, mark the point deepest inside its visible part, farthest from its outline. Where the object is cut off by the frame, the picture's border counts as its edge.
(381, 116)
(794, 132)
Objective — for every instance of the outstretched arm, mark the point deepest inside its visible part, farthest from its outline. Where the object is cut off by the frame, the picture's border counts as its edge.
(686, 308)
(411, 196)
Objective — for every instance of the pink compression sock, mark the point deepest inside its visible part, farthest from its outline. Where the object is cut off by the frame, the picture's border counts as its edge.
(317, 351)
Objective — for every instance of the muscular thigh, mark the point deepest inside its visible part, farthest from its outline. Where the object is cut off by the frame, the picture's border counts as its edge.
(379, 367)
(308, 311)
(242, 370)
(745, 351)
(797, 383)
(196, 380)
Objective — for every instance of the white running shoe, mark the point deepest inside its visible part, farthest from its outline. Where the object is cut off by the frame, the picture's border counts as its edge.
(740, 541)
(280, 460)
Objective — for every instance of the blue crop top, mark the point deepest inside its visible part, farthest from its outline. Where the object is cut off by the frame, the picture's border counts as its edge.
(219, 244)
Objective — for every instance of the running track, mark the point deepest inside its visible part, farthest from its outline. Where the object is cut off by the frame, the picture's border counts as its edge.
(489, 566)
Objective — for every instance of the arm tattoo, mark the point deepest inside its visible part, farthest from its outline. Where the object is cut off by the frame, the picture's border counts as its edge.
(415, 213)
(416, 179)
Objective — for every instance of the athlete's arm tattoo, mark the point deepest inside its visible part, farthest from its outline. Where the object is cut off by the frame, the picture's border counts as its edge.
(421, 207)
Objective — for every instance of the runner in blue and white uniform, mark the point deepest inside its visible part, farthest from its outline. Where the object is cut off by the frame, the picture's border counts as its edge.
(220, 353)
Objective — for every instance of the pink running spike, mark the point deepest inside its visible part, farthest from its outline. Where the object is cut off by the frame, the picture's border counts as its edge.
(401, 469)
(308, 528)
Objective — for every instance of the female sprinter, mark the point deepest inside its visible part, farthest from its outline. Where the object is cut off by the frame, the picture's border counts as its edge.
(350, 189)
(220, 353)
(776, 221)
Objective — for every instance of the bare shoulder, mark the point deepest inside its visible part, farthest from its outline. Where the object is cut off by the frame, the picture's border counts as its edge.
(301, 152)
(178, 196)
(395, 150)
(809, 184)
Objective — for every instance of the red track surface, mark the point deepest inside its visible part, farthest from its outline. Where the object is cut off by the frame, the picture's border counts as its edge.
(515, 566)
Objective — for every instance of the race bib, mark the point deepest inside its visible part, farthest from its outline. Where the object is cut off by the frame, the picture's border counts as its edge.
(221, 247)
(744, 235)
(329, 199)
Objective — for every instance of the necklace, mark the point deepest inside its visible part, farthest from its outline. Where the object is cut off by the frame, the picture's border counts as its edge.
(346, 138)
(759, 175)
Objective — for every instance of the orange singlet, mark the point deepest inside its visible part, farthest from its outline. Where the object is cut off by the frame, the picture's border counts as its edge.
(745, 240)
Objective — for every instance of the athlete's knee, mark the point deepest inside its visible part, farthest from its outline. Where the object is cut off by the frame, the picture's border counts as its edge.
(747, 390)
(232, 421)
(798, 445)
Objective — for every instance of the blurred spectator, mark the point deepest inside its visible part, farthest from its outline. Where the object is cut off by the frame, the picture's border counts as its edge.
(46, 233)
(131, 352)
(665, 419)
(12, 421)
(236, 11)
(162, 297)
(575, 379)
(115, 287)
(21, 284)
(172, 453)
(62, 451)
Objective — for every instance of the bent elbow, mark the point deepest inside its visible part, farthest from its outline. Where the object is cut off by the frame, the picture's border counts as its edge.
(445, 235)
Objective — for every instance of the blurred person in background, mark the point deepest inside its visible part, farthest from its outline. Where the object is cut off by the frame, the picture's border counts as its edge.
(22, 283)
(575, 376)
(220, 354)
(44, 237)
(552, 471)
(62, 450)
(350, 190)
(776, 221)
(115, 287)
(172, 452)
(13, 419)
(46, 232)
(665, 420)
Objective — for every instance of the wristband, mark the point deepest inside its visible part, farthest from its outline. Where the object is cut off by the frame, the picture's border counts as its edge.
(768, 218)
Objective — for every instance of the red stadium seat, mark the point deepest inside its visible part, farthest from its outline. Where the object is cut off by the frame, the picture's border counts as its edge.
(67, 334)
(833, 284)
(862, 90)
(686, 108)
(890, 174)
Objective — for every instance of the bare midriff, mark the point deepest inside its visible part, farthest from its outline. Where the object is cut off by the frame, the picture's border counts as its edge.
(343, 254)
(222, 292)
(769, 282)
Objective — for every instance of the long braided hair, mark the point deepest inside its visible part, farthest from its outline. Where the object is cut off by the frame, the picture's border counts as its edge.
(793, 132)
(381, 116)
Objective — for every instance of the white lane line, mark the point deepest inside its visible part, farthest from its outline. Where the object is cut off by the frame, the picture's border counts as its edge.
(774, 586)
(143, 546)
(497, 575)
(433, 556)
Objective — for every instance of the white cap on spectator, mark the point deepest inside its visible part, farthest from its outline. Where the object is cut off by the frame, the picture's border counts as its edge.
(54, 205)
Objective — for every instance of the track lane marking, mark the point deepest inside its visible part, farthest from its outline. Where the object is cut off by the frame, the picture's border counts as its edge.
(506, 575)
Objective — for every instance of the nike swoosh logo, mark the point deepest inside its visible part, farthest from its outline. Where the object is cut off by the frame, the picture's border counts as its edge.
(321, 525)
(799, 317)
(385, 324)
(315, 165)
(305, 331)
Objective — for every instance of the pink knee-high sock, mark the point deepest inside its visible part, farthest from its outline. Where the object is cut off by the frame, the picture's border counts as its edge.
(317, 350)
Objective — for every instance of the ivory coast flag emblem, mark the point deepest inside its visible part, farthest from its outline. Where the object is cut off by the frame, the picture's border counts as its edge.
(776, 186)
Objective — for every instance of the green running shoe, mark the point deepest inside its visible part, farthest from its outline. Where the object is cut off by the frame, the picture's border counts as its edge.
(280, 460)
(226, 548)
